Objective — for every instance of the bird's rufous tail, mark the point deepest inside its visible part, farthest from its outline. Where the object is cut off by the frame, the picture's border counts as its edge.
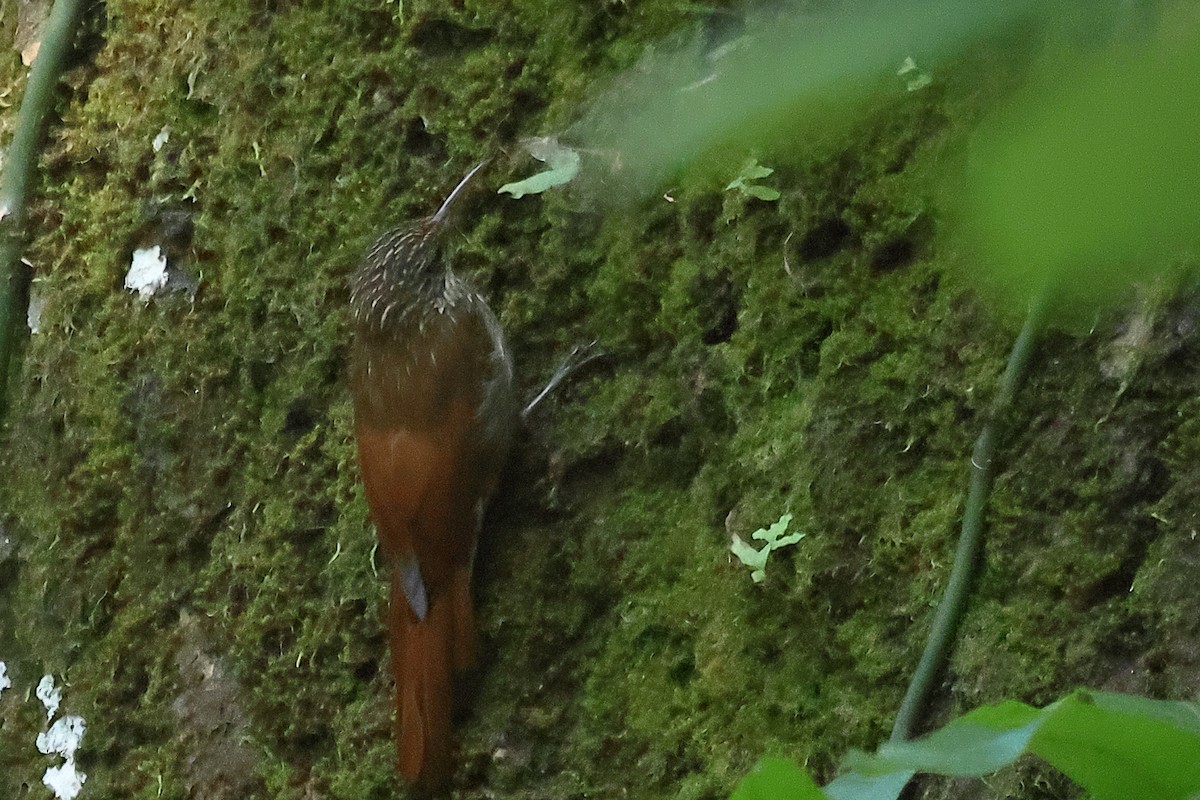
(424, 655)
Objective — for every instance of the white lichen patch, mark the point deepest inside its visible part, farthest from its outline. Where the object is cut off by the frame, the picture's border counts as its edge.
(63, 739)
(5, 681)
(162, 138)
(147, 272)
(49, 694)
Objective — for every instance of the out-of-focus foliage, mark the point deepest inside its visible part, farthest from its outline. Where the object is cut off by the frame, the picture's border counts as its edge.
(1115, 746)
(1089, 177)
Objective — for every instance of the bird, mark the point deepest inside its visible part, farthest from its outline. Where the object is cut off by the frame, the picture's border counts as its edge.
(431, 380)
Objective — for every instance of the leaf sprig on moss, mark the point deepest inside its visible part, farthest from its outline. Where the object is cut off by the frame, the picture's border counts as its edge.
(753, 171)
(756, 558)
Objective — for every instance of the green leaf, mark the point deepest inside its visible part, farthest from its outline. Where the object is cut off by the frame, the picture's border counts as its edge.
(853, 786)
(756, 560)
(772, 534)
(977, 743)
(1118, 746)
(762, 192)
(776, 778)
(1114, 746)
(752, 171)
(563, 163)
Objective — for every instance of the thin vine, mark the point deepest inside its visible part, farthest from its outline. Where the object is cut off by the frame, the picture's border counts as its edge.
(20, 163)
(966, 556)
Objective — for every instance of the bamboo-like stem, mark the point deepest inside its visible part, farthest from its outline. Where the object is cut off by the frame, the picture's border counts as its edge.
(970, 540)
(19, 165)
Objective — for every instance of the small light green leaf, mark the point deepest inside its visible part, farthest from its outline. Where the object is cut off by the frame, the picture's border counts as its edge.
(771, 535)
(774, 537)
(752, 171)
(563, 163)
(763, 192)
(756, 560)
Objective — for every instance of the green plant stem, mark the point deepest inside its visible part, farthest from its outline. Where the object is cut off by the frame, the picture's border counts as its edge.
(19, 165)
(970, 540)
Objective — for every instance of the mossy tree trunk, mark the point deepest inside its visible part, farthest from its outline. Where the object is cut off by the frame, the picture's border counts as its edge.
(191, 555)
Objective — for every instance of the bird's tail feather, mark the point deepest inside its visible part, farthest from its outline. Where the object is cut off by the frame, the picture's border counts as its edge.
(424, 653)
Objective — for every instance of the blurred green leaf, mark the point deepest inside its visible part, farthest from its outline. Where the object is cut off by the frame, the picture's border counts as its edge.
(563, 163)
(1114, 746)
(1118, 746)
(1086, 178)
(776, 778)
(853, 786)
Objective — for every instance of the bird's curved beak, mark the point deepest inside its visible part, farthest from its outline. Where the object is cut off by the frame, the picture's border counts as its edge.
(442, 213)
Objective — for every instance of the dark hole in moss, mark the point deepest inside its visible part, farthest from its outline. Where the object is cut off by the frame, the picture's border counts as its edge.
(8, 571)
(325, 515)
(439, 37)
(582, 473)
(700, 217)
(277, 234)
(809, 357)
(274, 643)
(1119, 582)
(199, 110)
(130, 683)
(903, 249)
(90, 38)
(199, 543)
(238, 595)
(372, 31)
(524, 105)
(901, 156)
(366, 671)
(419, 142)
(679, 462)
(683, 671)
(300, 418)
(712, 412)
(653, 638)
(659, 230)
(893, 255)
(719, 313)
(717, 305)
(1156, 661)
(260, 373)
(314, 739)
(198, 550)
(334, 365)
(1152, 481)
(97, 523)
(825, 239)
(306, 537)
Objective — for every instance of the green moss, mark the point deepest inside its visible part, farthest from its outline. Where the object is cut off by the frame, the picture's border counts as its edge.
(192, 458)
